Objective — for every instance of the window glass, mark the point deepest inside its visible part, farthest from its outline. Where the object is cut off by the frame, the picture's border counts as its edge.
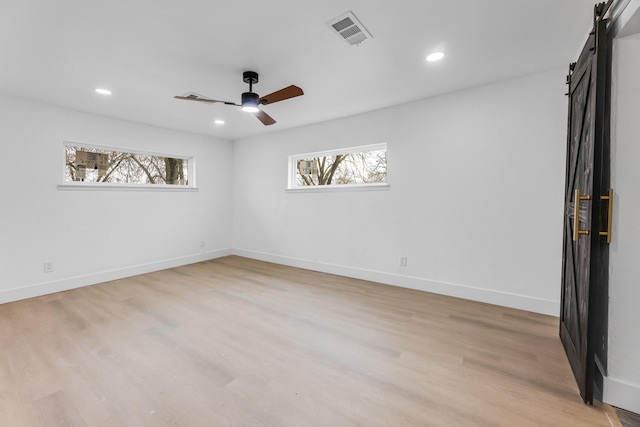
(96, 165)
(351, 166)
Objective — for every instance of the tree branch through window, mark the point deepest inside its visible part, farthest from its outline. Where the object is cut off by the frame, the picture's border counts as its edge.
(98, 165)
(357, 167)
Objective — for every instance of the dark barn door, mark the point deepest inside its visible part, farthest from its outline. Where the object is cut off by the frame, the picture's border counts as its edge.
(587, 213)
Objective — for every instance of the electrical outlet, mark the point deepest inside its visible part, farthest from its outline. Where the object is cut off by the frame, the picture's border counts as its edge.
(403, 261)
(202, 243)
(48, 267)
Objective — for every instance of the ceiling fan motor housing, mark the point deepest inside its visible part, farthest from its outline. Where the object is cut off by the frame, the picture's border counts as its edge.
(250, 102)
(250, 98)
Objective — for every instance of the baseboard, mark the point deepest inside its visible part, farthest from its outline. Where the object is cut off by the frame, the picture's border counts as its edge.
(522, 302)
(622, 394)
(68, 283)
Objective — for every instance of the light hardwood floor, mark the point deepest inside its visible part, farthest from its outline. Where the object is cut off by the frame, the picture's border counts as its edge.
(238, 342)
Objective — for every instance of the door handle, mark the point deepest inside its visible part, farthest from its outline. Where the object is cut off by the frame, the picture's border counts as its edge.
(608, 198)
(576, 215)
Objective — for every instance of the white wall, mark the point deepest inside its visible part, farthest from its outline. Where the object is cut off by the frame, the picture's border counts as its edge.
(466, 229)
(93, 236)
(622, 387)
(476, 196)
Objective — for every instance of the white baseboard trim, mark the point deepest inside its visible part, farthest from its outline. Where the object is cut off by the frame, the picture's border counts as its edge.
(68, 283)
(622, 394)
(521, 302)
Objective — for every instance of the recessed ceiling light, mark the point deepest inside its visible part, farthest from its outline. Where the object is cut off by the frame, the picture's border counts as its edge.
(436, 56)
(218, 122)
(103, 91)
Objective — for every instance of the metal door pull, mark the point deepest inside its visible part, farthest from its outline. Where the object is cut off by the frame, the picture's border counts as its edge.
(576, 215)
(609, 198)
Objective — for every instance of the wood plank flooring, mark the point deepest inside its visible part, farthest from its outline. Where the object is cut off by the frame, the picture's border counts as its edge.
(238, 342)
(628, 419)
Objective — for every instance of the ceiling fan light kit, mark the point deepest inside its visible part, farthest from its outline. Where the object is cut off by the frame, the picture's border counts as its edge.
(251, 101)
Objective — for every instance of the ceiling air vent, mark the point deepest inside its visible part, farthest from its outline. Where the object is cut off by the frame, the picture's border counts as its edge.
(349, 29)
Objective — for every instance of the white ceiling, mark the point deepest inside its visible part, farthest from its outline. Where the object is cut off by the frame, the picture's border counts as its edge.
(147, 51)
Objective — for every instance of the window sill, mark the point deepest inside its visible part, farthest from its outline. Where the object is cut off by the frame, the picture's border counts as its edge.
(90, 186)
(339, 188)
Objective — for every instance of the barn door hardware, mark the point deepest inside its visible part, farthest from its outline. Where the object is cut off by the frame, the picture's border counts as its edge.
(576, 215)
(609, 199)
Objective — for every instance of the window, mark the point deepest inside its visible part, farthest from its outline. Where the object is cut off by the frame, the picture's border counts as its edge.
(84, 163)
(356, 166)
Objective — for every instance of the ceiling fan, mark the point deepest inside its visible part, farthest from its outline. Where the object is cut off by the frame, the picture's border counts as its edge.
(250, 100)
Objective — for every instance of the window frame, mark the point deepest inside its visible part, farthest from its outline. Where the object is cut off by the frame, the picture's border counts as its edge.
(125, 186)
(293, 169)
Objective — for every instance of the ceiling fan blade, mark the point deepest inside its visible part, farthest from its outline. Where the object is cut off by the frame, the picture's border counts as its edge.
(282, 94)
(200, 98)
(264, 118)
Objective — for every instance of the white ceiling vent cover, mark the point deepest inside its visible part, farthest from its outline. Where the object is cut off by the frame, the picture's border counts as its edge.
(349, 29)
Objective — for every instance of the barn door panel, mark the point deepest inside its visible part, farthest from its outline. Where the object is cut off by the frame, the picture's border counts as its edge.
(585, 251)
